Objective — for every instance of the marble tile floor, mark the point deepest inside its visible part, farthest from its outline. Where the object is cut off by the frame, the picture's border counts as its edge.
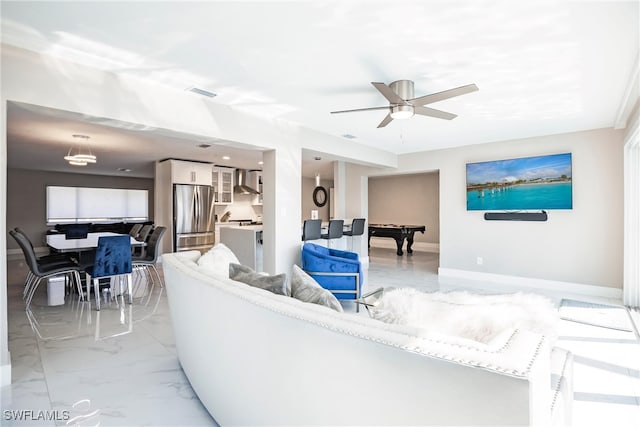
(606, 371)
(119, 367)
(115, 367)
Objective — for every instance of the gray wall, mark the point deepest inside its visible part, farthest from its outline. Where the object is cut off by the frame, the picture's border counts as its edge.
(308, 185)
(26, 197)
(583, 245)
(407, 199)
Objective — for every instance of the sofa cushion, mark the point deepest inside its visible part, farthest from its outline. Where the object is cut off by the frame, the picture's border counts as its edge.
(216, 261)
(305, 288)
(276, 283)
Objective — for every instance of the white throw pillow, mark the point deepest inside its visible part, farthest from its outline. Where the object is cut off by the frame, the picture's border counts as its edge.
(216, 261)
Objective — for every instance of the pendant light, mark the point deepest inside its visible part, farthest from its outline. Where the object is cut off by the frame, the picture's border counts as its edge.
(78, 154)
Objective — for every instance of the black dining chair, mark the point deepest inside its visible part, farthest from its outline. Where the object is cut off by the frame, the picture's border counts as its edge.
(311, 229)
(357, 229)
(142, 236)
(52, 257)
(335, 230)
(39, 271)
(148, 260)
(144, 233)
(135, 230)
(61, 259)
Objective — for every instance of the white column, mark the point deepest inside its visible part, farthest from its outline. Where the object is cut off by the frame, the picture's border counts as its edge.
(631, 286)
(357, 204)
(339, 192)
(282, 232)
(5, 359)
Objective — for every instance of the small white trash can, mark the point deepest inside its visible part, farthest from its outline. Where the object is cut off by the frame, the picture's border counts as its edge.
(55, 290)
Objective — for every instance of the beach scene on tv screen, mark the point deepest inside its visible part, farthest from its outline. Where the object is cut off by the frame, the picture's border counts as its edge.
(529, 183)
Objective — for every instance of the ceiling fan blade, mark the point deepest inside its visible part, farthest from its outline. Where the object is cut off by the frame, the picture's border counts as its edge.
(432, 112)
(385, 121)
(361, 109)
(445, 94)
(386, 91)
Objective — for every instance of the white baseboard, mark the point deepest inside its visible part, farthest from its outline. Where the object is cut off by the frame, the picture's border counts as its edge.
(528, 282)
(379, 242)
(15, 254)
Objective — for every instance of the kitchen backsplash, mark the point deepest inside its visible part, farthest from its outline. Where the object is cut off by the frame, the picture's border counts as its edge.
(241, 208)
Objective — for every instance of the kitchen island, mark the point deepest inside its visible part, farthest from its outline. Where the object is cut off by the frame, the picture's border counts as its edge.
(245, 241)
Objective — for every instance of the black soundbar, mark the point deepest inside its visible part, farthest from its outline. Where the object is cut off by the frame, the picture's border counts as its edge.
(515, 216)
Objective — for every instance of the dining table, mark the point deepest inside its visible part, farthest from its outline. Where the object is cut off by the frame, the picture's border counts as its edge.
(59, 242)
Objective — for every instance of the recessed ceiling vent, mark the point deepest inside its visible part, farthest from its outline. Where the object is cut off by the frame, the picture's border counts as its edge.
(201, 92)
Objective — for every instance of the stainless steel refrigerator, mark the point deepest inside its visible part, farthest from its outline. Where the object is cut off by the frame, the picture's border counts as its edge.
(193, 217)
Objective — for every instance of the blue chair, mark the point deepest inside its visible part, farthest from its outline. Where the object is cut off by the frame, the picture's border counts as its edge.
(337, 271)
(76, 231)
(113, 260)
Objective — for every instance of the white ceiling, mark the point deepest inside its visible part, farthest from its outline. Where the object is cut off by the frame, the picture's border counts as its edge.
(542, 67)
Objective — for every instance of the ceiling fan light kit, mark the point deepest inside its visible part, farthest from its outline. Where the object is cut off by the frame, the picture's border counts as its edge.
(403, 104)
(402, 112)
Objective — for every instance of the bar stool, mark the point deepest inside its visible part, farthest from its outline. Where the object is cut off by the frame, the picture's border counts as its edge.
(357, 229)
(312, 229)
(335, 230)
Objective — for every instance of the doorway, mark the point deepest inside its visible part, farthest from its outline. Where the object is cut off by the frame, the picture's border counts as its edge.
(409, 199)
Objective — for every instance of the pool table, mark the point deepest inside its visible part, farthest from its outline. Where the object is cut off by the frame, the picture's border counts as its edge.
(397, 232)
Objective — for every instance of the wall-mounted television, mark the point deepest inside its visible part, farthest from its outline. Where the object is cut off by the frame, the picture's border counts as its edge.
(528, 183)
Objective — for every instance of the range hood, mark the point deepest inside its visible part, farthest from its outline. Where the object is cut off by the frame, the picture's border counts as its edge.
(242, 186)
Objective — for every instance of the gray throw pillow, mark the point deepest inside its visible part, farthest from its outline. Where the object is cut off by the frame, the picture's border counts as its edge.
(276, 284)
(305, 288)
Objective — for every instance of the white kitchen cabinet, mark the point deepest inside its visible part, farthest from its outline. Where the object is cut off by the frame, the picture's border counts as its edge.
(195, 173)
(222, 180)
(169, 172)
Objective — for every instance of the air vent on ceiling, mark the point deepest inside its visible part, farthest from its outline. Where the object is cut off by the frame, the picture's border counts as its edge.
(201, 92)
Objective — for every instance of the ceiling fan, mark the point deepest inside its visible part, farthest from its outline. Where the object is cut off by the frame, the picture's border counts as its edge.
(403, 105)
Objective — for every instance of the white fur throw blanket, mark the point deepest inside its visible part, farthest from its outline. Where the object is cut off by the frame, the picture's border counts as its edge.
(477, 317)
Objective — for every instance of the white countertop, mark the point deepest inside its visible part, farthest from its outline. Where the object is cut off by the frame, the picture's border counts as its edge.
(245, 227)
(60, 243)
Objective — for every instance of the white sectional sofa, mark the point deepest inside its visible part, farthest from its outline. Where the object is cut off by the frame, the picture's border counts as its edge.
(256, 358)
